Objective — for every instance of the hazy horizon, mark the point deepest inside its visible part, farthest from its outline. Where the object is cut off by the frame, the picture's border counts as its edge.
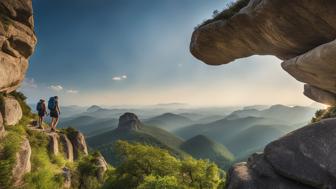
(96, 52)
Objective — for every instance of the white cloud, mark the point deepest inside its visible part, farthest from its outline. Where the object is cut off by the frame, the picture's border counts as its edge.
(29, 83)
(119, 78)
(57, 88)
(70, 91)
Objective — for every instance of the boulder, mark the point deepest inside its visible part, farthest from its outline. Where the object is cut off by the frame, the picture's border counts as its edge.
(12, 112)
(22, 163)
(53, 143)
(129, 121)
(79, 145)
(307, 155)
(257, 173)
(67, 147)
(300, 32)
(320, 95)
(17, 42)
(102, 167)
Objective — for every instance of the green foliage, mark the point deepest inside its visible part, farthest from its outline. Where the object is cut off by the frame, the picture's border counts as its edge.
(45, 173)
(330, 112)
(200, 173)
(231, 10)
(155, 182)
(9, 146)
(145, 166)
(86, 173)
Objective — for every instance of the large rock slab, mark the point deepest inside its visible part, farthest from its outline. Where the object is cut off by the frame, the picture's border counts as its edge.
(316, 67)
(284, 28)
(17, 42)
(307, 155)
(320, 95)
(12, 112)
(300, 32)
(22, 163)
(257, 173)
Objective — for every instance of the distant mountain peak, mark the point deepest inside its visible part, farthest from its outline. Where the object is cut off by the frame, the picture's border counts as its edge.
(93, 108)
(129, 121)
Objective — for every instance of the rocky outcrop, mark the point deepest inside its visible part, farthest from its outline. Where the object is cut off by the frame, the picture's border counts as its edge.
(12, 112)
(53, 143)
(79, 145)
(304, 158)
(129, 121)
(22, 163)
(300, 32)
(71, 146)
(67, 147)
(17, 42)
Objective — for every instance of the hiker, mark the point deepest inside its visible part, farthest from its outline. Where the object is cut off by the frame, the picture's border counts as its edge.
(54, 112)
(41, 111)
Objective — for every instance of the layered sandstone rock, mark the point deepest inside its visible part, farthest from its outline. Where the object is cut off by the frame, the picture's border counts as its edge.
(299, 32)
(17, 42)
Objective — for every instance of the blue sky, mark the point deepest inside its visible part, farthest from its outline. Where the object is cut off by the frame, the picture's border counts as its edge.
(136, 52)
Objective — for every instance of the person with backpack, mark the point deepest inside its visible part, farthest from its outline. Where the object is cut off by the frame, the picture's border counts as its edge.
(41, 111)
(54, 112)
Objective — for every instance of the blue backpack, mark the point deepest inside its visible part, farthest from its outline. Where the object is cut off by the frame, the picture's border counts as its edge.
(39, 107)
(52, 103)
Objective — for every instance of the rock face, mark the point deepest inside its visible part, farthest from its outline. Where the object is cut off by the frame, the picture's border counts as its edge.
(129, 121)
(299, 32)
(53, 143)
(301, 159)
(12, 111)
(17, 42)
(67, 147)
(79, 145)
(22, 164)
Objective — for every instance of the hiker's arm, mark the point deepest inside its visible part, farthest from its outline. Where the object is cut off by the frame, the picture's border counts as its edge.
(58, 109)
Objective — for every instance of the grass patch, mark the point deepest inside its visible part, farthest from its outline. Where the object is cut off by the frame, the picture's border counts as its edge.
(9, 146)
(231, 9)
(46, 171)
